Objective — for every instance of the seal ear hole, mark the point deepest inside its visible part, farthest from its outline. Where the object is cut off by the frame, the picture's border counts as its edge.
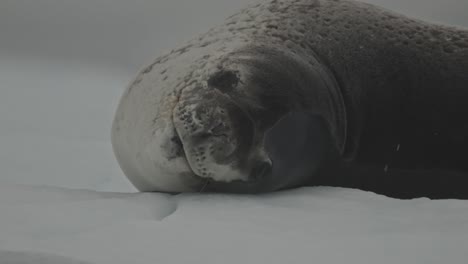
(224, 81)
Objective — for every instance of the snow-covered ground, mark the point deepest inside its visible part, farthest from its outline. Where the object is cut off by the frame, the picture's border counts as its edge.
(313, 225)
(63, 67)
(55, 118)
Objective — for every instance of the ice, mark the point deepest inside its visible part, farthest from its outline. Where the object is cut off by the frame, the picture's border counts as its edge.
(12, 257)
(323, 225)
(55, 118)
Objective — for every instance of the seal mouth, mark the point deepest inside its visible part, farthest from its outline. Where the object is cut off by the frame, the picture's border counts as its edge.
(178, 142)
(250, 170)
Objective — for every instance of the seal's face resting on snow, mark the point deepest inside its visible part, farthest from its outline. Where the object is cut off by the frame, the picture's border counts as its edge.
(218, 134)
(225, 124)
(223, 132)
(302, 92)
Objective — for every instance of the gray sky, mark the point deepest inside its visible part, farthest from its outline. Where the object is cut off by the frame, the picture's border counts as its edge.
(130, 33)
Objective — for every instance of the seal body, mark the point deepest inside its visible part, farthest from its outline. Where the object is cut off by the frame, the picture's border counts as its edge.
(303, 92)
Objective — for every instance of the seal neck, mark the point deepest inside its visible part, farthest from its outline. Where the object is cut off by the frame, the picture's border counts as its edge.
(333, 108)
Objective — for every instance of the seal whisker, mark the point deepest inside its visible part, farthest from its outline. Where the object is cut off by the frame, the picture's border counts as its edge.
(204, 186)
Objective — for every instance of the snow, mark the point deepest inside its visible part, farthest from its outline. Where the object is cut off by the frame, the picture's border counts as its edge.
(324, 225)
(55, 118)
(63, 198)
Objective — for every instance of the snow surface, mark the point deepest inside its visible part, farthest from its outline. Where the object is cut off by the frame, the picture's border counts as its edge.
(316, 225)
(55, 117)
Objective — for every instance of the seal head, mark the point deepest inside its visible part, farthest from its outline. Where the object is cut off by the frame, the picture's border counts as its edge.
(230, 129)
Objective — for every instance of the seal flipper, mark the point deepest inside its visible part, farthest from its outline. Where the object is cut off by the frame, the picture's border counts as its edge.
(299, 145)
(304, 153)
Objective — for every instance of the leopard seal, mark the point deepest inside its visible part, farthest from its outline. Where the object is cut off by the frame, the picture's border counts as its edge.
(303, 92)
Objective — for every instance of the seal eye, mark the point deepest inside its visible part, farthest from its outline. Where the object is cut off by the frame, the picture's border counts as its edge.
(225, 81)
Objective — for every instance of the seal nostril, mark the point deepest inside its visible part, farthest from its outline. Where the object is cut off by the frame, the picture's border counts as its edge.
(260, 171)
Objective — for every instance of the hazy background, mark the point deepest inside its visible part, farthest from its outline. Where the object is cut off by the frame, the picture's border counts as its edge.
(128, 33)
(64, 64)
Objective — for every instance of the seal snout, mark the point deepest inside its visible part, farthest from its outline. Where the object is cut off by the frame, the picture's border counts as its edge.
(216, 135)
